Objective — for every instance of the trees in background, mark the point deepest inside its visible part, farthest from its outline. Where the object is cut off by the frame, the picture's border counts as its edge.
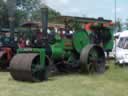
(3, 14)
(25, 10)
(30, 10)
(126, 24)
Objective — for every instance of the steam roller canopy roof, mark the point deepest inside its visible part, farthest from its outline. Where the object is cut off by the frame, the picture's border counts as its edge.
(80, 39)
(30, 24)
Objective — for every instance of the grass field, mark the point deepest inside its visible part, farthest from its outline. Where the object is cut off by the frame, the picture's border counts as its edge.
(113, 83)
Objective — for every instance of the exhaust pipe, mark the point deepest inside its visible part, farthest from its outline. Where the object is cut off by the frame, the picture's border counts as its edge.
(44, 12)
(45, 43)
(11, 4)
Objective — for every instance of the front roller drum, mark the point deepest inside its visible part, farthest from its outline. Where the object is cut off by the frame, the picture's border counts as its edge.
(27, 67)
(92, 59)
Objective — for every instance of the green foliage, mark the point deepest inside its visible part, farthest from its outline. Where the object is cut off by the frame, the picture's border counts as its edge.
(32, 9)
(51, 14)
(29, 6)
(3, 14)
(126, 24)
(21, 16)
(26, 10)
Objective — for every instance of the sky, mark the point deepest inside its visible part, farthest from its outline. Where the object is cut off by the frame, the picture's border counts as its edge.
(90, 8)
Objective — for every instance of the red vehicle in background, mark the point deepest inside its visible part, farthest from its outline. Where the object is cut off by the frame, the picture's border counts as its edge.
(7, 48)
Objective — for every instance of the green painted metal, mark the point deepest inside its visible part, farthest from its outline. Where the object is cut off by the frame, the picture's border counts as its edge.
(57, 51)
(37, 69)
(109, 44)
(63, 47)
(35, 50)
(68, 45)
(80, 40)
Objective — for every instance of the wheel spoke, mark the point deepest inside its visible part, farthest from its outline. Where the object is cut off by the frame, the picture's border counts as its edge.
(91, 68)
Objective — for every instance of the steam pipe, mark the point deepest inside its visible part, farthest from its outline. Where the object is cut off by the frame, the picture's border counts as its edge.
(45, 43)
(44, 12)
(11, 4)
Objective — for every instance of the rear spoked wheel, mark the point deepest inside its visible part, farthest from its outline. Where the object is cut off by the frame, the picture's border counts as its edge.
(92, 60)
